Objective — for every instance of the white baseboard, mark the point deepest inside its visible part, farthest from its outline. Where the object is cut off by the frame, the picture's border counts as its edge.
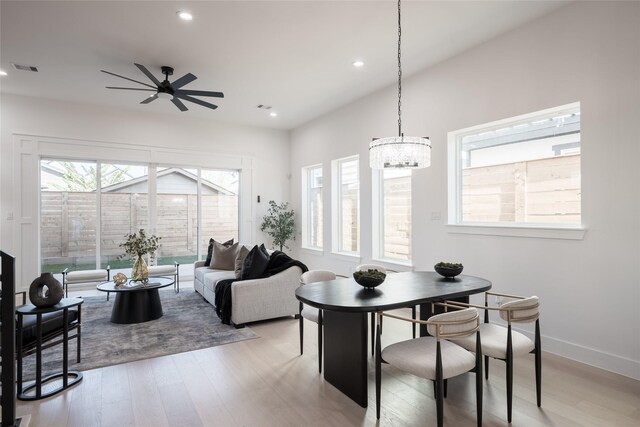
(590, 356)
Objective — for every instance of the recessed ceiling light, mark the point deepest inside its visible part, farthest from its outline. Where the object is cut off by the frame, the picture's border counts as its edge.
(273, 114)
(185, 16)
(3, 73)
(358, 63)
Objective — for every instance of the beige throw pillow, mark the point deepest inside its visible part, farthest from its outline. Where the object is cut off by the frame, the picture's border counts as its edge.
(242, 254)
(224, 258)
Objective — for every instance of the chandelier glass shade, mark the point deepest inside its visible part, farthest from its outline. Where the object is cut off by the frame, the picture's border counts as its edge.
(410, 152)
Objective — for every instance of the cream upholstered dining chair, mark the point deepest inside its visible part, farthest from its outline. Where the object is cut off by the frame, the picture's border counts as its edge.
(502, 343)
(433, 357)
(311, 313)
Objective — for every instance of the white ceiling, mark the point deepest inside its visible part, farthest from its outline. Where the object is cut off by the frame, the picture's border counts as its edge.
(294, 55)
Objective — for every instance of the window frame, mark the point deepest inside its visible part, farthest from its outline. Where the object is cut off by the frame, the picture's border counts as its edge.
(305, 171)
(336, 207)
(455, 223)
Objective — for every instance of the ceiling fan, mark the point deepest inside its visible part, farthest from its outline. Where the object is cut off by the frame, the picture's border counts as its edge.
(168, 90)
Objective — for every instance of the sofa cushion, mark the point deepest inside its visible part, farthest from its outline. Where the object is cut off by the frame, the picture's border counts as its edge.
(242, 254)
(224, 257)
(207, 262)
(255, 263)
(212, 277)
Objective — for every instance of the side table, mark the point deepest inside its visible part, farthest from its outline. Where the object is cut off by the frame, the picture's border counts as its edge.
(68, 378)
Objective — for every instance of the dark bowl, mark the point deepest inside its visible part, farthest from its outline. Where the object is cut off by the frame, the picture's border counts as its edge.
(368, 282)
(448, 272)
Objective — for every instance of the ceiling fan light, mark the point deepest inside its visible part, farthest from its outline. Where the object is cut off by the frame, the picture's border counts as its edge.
(165, 95)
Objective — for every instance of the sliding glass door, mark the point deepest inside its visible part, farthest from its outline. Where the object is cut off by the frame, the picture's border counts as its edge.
(68, 215)
(82, 223)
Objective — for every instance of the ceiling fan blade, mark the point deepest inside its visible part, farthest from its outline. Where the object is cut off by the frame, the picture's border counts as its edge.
(179, 104)
(149, 99)
(200, 93)
(127, 78)
(148, 74)
(194, 100)
(131, 88)
(186, 79)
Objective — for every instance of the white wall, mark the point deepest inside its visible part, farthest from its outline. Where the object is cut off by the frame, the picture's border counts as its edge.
(89, 131)
(589, 289)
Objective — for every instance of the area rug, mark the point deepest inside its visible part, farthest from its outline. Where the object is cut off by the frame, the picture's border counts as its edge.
(189, 323)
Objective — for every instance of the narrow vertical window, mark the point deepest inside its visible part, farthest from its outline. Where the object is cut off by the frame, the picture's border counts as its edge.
(394, 198)
(347, 206)
(312, 219)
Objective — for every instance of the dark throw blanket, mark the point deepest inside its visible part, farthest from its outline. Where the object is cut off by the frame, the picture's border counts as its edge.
(278, 262)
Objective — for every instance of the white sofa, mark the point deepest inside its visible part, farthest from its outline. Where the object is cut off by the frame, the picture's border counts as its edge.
(252, 300)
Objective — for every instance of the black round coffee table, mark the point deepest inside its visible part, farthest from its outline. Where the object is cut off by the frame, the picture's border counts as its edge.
(136, 302)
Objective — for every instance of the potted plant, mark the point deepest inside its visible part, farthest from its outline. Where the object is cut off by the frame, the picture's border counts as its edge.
(137, 246)
(278, 223)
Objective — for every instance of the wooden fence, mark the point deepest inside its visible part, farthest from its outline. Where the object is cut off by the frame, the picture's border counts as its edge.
(69, 221)
(537, 191)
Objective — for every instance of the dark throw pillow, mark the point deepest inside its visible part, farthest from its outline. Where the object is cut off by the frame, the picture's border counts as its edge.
(224, 258)
(207, 262)
(254, 264)
(242, 254)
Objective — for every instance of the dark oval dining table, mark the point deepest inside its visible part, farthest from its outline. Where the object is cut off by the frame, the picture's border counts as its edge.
(345, 305)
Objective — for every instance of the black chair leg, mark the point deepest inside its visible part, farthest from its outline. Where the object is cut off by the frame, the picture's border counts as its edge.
(486, 367)
(413, 316)
(509, 374)
(445, 388)
(440, 401)
(538, 356)
(301, 327)
(320, 341)
(378, 372)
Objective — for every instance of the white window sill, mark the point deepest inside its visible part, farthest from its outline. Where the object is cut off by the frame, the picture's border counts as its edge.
(346, 256)
(539, 232)
(312, 250)
(407, 265)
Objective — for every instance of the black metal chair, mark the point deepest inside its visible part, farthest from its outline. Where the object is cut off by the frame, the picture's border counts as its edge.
(311, 313)
(502, 343)
(433, 357)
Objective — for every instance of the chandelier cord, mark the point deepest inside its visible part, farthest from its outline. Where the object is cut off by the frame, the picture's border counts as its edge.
(399, 74)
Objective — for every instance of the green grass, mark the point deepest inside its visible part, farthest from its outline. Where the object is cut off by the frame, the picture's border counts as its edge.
(114, 264)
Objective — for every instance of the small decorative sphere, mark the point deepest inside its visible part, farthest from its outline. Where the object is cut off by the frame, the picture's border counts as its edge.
(119, 279)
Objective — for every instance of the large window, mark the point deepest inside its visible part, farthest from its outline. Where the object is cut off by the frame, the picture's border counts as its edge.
(524, 170)
(312, 205)
(219, 206)
(180, 205)
(68, 215)
(346, 218)
(392, 222)
(124, 202)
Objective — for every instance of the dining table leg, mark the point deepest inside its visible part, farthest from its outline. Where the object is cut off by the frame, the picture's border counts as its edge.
(345, 353)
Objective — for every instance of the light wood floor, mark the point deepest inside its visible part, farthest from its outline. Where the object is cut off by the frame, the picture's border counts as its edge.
(265, 382)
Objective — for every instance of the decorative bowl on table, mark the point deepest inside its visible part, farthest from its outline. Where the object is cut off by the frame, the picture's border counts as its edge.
(369, 278)
(448, 269)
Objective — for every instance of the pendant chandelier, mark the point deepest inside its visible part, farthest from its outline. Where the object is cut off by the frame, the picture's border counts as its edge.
(409, 152)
